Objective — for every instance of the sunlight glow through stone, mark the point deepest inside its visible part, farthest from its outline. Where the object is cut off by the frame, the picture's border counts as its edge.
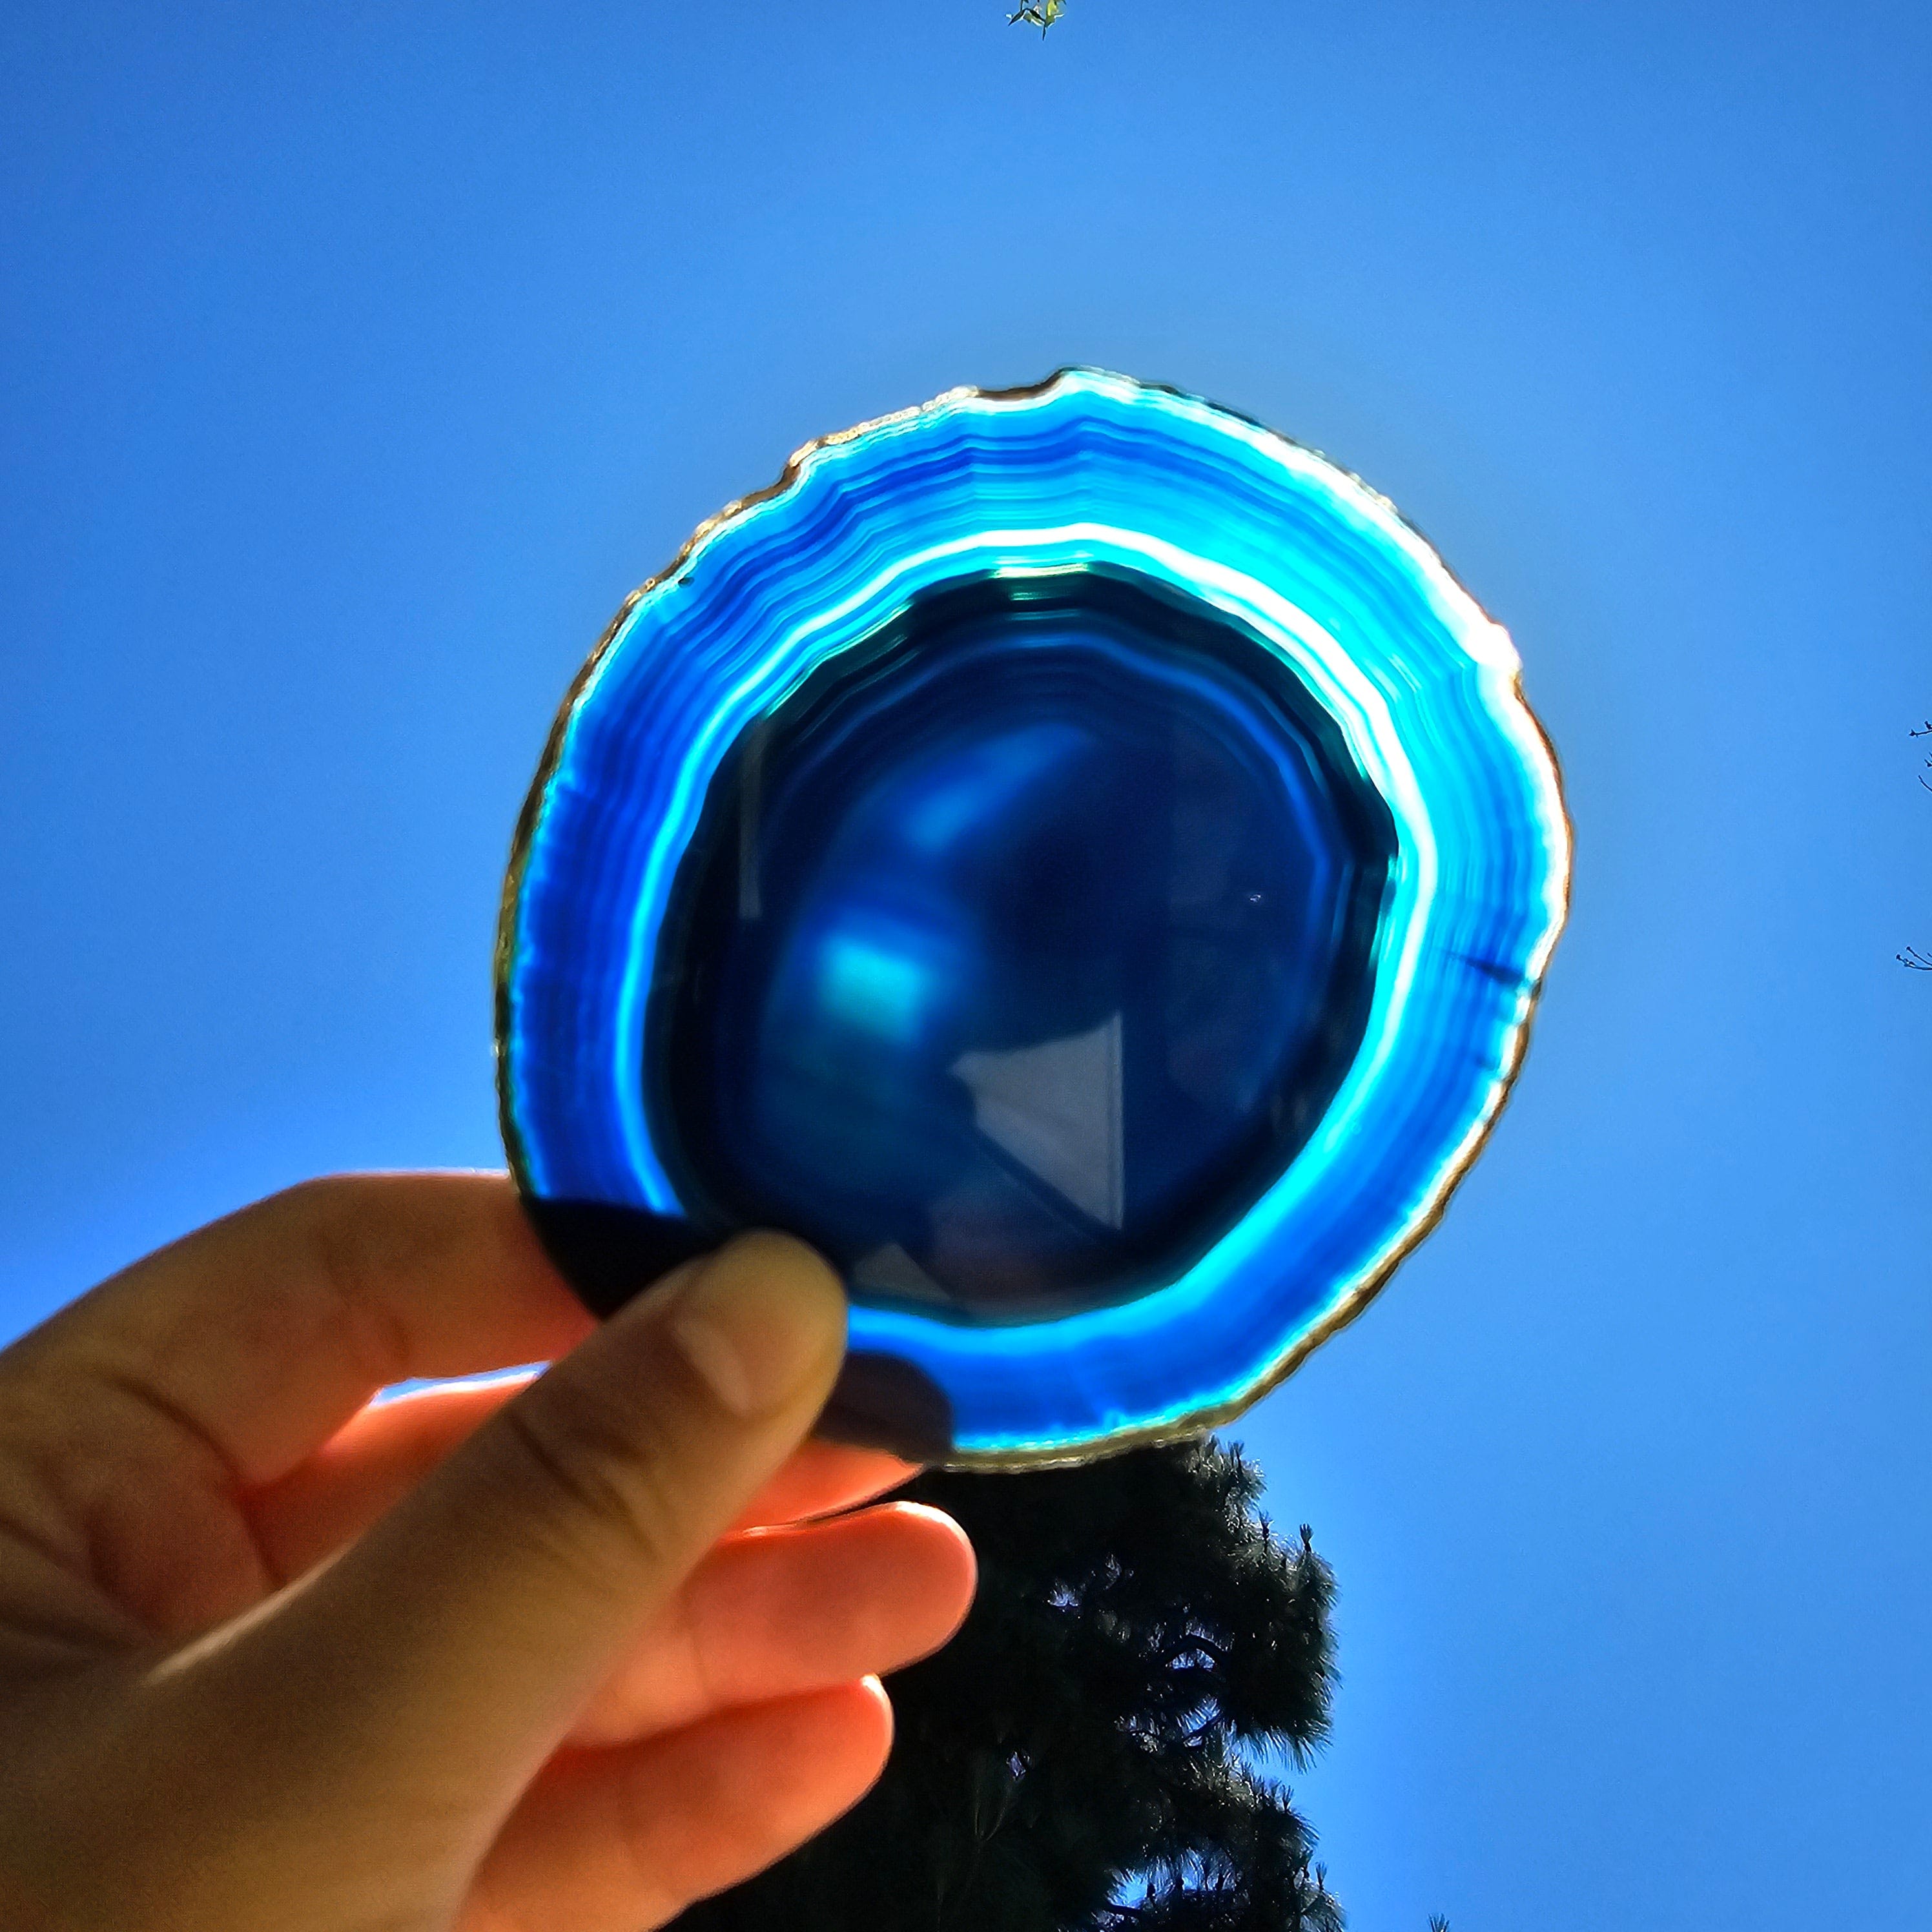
(1075, 856)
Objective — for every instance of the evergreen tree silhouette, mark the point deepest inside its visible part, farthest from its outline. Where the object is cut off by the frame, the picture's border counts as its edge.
(1088, 1754)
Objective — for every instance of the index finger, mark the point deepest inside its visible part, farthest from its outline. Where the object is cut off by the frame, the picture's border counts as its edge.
(822, 1478)
(264, 1333)
(329, 1498)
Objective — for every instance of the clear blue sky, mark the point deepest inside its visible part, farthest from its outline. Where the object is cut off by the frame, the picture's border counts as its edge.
(355, 360)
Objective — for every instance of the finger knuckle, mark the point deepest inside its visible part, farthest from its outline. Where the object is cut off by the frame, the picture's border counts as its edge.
(600, 1476)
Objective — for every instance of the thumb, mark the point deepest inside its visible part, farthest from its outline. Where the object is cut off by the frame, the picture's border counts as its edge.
(449, 1650)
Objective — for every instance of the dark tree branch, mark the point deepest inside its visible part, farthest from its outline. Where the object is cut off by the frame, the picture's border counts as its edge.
(1077, 1759)
(1918, 961)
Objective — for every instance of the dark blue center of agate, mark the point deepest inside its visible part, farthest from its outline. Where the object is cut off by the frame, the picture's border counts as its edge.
(1018, 952)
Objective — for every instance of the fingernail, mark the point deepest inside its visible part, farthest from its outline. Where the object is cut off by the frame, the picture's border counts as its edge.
(764, 1315)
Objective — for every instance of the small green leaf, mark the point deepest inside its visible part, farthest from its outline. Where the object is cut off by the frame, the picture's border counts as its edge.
(1040, 13)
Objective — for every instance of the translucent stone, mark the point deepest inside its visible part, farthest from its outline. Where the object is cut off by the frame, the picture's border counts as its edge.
(1018, 952)
(1076, 857)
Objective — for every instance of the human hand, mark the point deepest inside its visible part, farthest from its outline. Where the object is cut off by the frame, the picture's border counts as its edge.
(495, 1660)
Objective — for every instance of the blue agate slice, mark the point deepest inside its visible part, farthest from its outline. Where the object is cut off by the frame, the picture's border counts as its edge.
(1074, 856)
